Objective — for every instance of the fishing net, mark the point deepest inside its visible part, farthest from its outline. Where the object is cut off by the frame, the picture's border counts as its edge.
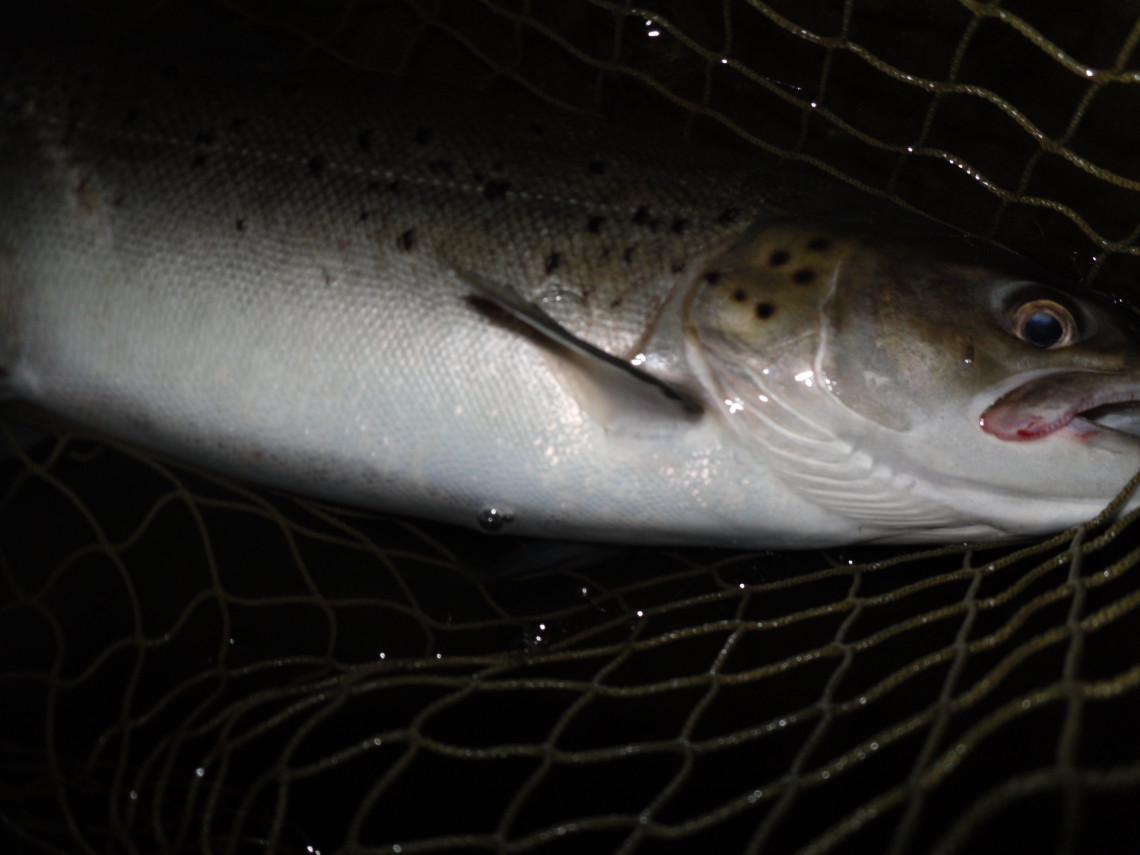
(192, 665)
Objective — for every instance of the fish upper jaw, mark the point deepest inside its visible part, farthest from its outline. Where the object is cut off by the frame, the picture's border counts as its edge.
(1081, 404)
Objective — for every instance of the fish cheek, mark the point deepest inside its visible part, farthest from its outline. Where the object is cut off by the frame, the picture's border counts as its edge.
(871, 357)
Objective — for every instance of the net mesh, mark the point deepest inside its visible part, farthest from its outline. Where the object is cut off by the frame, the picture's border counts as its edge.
(193, 665)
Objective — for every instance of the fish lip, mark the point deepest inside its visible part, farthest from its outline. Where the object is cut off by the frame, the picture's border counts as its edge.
(1047, 404)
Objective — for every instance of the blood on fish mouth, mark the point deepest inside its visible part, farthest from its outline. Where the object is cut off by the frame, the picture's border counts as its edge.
(1047, 404)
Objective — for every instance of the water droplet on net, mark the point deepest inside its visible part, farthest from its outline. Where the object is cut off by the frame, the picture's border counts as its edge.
(493, 519)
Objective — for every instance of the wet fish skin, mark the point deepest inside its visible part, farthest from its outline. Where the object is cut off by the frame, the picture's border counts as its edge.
(266, 278)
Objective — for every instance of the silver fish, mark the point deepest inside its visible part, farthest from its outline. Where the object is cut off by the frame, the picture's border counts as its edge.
(472, 311)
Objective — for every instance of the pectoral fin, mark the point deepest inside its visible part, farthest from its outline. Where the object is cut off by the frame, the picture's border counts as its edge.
(625, 388)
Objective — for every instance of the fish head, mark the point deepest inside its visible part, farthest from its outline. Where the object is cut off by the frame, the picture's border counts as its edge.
(961, 391)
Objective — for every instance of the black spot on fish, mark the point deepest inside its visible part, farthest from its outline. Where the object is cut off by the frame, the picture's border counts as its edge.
(316, 166)
(627, 256)
(641, 216)
(615, 302)
(441, 167)
(364, 215)
(394, 186)
(595, 225)
(553, 262)
(778, 258)
(728, 215)
(493, 190)
(204, 138)
(679, 225)
(240, 224)
(819, 244)
(364, 140)
(131, 116)
(739, 295)
(198, 162)
(803, 276)
(765, 311)
(372, 187)
(598, 167)
(423, 135)
(118, 201)
(239, 124)
(677, 266)
(712, 277)
(407, 240)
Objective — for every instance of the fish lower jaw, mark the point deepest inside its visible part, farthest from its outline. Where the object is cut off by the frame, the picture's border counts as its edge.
(1117, 413)
(1116, 423)
(1119, 418)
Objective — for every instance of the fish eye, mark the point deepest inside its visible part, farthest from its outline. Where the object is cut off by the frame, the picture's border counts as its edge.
(1045, 324)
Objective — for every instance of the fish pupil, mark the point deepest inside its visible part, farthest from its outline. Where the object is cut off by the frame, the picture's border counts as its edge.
(1042, 329)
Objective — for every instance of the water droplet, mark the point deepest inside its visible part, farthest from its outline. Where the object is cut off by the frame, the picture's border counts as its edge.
(200, 772)
(534, 637)
(493, 519)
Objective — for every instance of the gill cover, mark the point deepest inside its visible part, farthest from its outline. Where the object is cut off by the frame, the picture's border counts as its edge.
(757, 313)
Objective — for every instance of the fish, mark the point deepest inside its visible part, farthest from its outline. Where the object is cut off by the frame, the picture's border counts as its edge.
(468, 308)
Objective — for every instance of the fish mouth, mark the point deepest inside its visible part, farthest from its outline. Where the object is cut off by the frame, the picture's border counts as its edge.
(1082, 403)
